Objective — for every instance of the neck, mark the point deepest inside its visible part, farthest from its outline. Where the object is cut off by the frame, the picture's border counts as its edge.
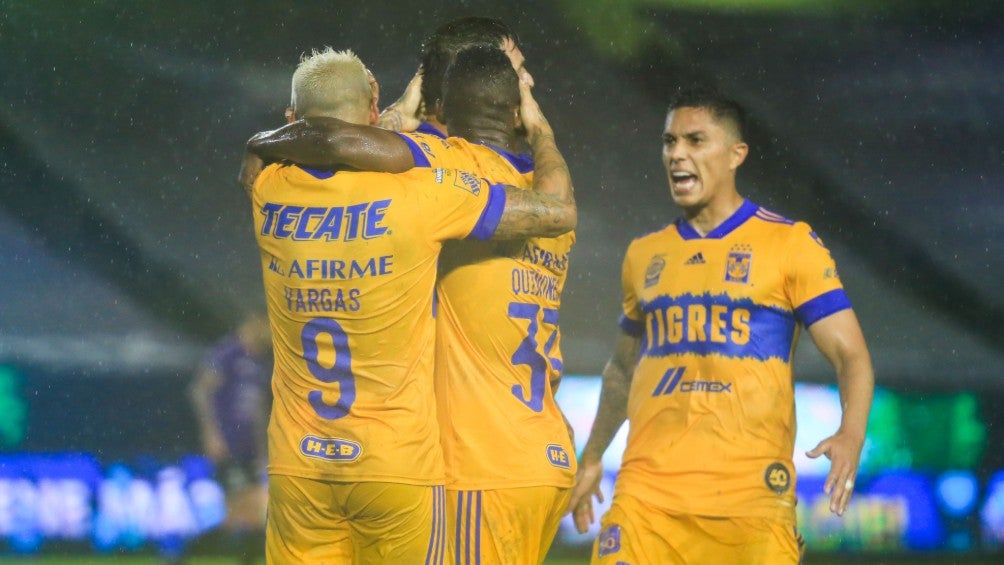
(434, 121)
(705, 218)
(487, 129)
(497, 138)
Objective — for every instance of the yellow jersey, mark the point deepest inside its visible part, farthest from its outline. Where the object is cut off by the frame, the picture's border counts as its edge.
(349, 265)
(498, 355)
(711, 407)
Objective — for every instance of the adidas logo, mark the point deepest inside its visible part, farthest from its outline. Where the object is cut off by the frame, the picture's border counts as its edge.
(697, 259)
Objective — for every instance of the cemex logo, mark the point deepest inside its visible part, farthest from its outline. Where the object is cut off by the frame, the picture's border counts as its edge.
(672, 381)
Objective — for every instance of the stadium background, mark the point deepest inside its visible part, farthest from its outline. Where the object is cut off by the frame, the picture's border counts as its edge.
(127, 248)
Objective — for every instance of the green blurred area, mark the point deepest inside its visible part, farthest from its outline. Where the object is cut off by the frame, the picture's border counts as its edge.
(13, 410)
(621, 30)
(924, 432)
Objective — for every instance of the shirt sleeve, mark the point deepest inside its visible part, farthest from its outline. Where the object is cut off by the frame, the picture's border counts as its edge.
(812, 283)
(460, 204)
(430, 151)
(417, 154)
(632, 317)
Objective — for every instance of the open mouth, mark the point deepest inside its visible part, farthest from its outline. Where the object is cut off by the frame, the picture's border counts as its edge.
(683, 180)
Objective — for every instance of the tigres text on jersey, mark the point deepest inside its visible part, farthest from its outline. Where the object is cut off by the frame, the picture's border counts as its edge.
(711, 407)
(349, 262)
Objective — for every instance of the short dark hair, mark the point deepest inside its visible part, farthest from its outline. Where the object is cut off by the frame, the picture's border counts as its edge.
(721, 106)
(480, 83)
(441, 48)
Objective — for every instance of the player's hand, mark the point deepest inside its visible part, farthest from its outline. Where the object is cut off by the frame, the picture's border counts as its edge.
(844, 452)
(534, 122)
(406, 113)
(587, 485)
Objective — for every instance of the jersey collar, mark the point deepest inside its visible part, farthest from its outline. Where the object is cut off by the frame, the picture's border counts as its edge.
(429, 129)
(522, 163)
(745, 212)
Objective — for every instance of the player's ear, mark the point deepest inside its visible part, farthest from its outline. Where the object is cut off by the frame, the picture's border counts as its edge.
(374, 112)
(375, 100)
(739, 152)
(517, 118)
(290, 115)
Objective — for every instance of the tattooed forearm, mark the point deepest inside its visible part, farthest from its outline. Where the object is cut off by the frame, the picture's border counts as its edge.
(612, 411)
(549, 209)
(550, 175)
(391, 119)
(533, 214)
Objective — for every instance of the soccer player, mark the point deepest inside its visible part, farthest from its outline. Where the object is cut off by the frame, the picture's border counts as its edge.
(420, 108)
(712, 308)
(229, 397)
(509, 457)
(349, 262)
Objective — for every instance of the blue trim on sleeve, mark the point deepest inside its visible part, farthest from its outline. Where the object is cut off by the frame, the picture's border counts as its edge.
(492, 214)
(319, 173)
(417, 155)
(632, 327)
(429, 129)
(822, 306)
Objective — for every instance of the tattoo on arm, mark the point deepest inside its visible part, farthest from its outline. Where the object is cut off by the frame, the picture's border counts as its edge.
(612, 411)
(391, 119)
(528, 213)
(551, 175)
(549, 209)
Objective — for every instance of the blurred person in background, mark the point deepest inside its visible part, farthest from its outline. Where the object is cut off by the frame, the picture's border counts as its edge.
(230, 397)
(711, 312)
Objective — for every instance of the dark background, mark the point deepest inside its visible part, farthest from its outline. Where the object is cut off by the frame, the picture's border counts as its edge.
(127, 248)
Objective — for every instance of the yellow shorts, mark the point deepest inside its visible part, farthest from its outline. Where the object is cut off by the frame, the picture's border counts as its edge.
(506, 526)
(635, 533)
(323, 522)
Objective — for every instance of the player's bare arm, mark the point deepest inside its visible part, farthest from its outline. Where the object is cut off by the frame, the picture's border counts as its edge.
(549, 209)
(250, 169)
(405, 114)
(610, 416)
(329, 143)
(839, 338)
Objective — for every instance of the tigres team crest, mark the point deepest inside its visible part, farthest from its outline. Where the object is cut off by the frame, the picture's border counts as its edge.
(778, 478)
(654, 270)
(461, 179)
(737, 266)
(468, 182)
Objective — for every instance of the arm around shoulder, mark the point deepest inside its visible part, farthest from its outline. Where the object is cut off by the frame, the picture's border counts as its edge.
(331, 143)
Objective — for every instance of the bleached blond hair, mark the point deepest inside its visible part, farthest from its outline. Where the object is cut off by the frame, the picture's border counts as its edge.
(332, 83)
